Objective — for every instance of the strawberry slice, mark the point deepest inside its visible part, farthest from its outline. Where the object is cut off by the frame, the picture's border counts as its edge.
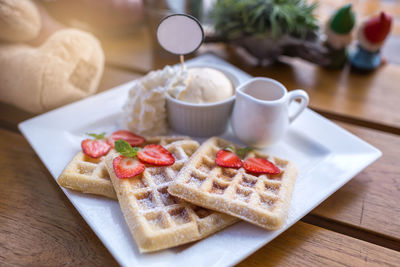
(132, 139)
(95, 148)
(125, 167)
(228, 159)
(260, 166)
(156, 155)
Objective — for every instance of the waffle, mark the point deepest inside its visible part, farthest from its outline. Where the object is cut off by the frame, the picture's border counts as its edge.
(156, 219)
(262, 200)
(89, 175)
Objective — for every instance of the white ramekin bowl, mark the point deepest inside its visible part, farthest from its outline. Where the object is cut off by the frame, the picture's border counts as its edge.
(201, 120)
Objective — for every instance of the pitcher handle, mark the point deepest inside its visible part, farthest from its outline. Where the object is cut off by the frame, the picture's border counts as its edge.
(303, 96)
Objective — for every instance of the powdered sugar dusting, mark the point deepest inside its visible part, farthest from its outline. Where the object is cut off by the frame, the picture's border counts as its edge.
(256, 198)
(160, 213)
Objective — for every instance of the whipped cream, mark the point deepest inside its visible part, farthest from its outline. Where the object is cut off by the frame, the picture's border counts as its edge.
(144, 112)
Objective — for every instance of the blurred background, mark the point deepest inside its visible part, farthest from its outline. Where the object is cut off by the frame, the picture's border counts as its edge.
(126, 28)
(121, 44)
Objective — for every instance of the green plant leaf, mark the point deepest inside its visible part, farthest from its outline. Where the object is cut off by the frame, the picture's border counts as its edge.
(233, 18)
(125, 149)
(242, 152)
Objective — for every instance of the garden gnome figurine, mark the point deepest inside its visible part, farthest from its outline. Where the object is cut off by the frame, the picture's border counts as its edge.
(338, 32)
(371, 36)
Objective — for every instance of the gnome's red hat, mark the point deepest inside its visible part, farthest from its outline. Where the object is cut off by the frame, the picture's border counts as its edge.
(377, 28)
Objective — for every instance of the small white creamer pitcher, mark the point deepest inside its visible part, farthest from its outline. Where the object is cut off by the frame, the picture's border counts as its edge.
(261, 112)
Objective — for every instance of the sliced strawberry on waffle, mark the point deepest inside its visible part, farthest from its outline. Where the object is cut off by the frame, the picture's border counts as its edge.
(97, 147)
(131, 138)
(228, 159)
(156, 155)
(126, 167)
(260, 166)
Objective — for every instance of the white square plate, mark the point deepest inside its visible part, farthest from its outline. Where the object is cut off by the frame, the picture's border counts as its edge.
(326, 155)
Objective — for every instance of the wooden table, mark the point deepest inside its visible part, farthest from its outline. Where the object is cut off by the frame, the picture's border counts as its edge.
(359, 225)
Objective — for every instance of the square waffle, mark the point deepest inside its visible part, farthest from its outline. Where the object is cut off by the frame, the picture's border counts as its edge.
(259, 199)
(156, 219)
(89, 175)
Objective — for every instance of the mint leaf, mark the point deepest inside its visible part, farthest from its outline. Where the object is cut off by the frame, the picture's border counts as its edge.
(125, 149)
(242, 152)
(97, 136)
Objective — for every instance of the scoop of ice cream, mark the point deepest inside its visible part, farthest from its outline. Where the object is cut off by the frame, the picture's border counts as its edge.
(145, 109)
(206, 85)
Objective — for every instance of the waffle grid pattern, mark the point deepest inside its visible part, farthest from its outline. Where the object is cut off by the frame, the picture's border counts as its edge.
(262, 200)
(156, 219)
(89, 175)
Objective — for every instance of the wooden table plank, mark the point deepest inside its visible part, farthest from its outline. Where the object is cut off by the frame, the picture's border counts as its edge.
(371, 200)
(120, 52)
(306, 245)
(132, 51)
(113, 77)
(10, 116)
(39, 226)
